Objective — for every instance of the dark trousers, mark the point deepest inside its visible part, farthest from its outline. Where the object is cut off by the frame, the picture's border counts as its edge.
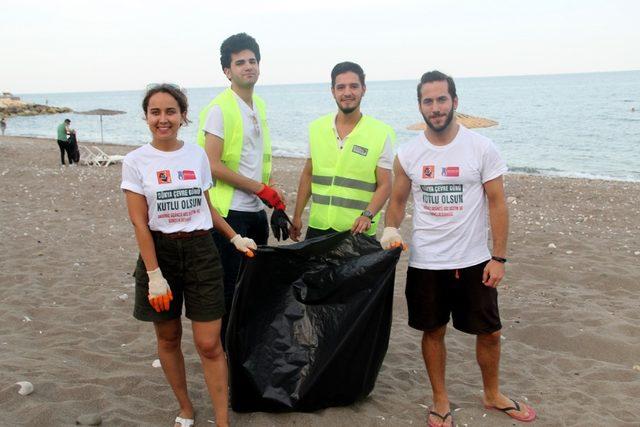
(65, 147)
(247, 224)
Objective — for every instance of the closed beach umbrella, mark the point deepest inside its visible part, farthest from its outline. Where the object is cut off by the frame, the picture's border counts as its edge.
(102, 112)
(465, 120)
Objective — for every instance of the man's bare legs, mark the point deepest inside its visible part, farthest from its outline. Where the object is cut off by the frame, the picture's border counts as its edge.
(434, 353)
(488, 357)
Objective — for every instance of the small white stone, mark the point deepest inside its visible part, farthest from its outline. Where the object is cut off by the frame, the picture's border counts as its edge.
(156, 363)
(26, 388)
(123, 297)
(26, 319)
(552, 246)
(569, 252)
(636, 253)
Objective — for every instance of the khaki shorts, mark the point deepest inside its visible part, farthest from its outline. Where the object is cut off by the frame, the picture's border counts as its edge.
(194, 273)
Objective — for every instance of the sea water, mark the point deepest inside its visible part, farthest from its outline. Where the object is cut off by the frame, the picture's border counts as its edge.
(579, 125)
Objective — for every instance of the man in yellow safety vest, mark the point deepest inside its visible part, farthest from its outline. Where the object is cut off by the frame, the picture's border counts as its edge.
(347, 174)
(234, 133)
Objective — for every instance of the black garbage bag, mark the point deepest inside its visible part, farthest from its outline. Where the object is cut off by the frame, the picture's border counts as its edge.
(74, 151)
(310, 323)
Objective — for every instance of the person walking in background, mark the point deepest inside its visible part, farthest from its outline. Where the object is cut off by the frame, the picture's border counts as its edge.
(234, 133)
(3, 125)
(348, 170)
(455, 176)
(64, 130)
(166, 183)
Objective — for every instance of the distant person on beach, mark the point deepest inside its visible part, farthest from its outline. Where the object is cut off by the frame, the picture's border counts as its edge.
(233, 131)
(347, 174)
(455, 176)
(166, 183)
(3, 125)
(64, 130)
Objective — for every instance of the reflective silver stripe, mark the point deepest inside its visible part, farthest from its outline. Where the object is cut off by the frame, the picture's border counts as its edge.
(339, 202)
(344, 182)
(320, 199)
(354, 183)
(322, 180)
(349, 203)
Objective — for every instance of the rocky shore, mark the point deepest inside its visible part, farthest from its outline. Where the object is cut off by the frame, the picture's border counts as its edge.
(13, 106)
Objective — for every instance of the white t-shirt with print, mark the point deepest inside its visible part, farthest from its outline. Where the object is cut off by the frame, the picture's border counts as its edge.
(173, 182)
(450, 227)
(252, 152)
(385, 160)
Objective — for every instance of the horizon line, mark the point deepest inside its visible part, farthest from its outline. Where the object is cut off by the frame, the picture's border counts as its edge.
(317, 83)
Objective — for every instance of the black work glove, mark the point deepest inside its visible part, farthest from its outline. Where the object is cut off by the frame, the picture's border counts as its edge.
(280, 224)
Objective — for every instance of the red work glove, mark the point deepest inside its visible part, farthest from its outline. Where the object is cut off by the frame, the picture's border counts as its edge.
(270, 198)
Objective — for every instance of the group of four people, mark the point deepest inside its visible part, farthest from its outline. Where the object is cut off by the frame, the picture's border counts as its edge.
(197, 211)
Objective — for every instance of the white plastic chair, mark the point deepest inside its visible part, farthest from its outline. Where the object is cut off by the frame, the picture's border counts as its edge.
(87, 157)
(107, 159)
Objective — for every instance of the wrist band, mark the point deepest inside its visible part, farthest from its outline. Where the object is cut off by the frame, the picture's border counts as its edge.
(499, 259)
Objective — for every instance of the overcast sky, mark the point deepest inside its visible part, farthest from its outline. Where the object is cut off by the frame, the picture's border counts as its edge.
(68, 46)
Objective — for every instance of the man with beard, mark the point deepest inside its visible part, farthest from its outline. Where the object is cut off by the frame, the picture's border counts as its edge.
(455, 176)
(233, 131)
(348, 170)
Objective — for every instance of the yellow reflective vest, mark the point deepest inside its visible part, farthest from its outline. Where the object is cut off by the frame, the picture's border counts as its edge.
(221, 193)
(344, 180)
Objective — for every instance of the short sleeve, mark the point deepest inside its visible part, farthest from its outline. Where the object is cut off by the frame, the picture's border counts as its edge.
(386, 158)
(131, 178)
(493, 165)
(215, 122)
(205, 173)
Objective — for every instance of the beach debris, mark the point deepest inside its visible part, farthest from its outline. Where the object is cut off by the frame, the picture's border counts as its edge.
(26, 319)
(569, 252)
(484, 415)
(26, 388)
(551, 245)
(156, 363)
(457, 409)
(636, 368)
(89, 420)
(512, 200)
(211, 421)
(636, 253)
(423, 406)
(123, 297)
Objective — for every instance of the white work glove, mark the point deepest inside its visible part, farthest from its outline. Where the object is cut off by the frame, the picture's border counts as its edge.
(160, 294)
(391, 238)
(244, 244)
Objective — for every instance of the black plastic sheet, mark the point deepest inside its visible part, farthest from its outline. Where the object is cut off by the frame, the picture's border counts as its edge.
(310, 323)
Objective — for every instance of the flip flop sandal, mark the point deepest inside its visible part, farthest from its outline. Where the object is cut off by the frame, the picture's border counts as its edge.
(442, 417)
(184, 422)
(516, 407)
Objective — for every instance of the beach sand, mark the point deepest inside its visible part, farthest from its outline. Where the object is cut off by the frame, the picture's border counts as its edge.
(571, 313)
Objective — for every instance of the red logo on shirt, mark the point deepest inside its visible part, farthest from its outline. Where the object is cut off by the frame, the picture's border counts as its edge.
(164, 177)
(428, 172)
(186, 175)
(451, 171)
